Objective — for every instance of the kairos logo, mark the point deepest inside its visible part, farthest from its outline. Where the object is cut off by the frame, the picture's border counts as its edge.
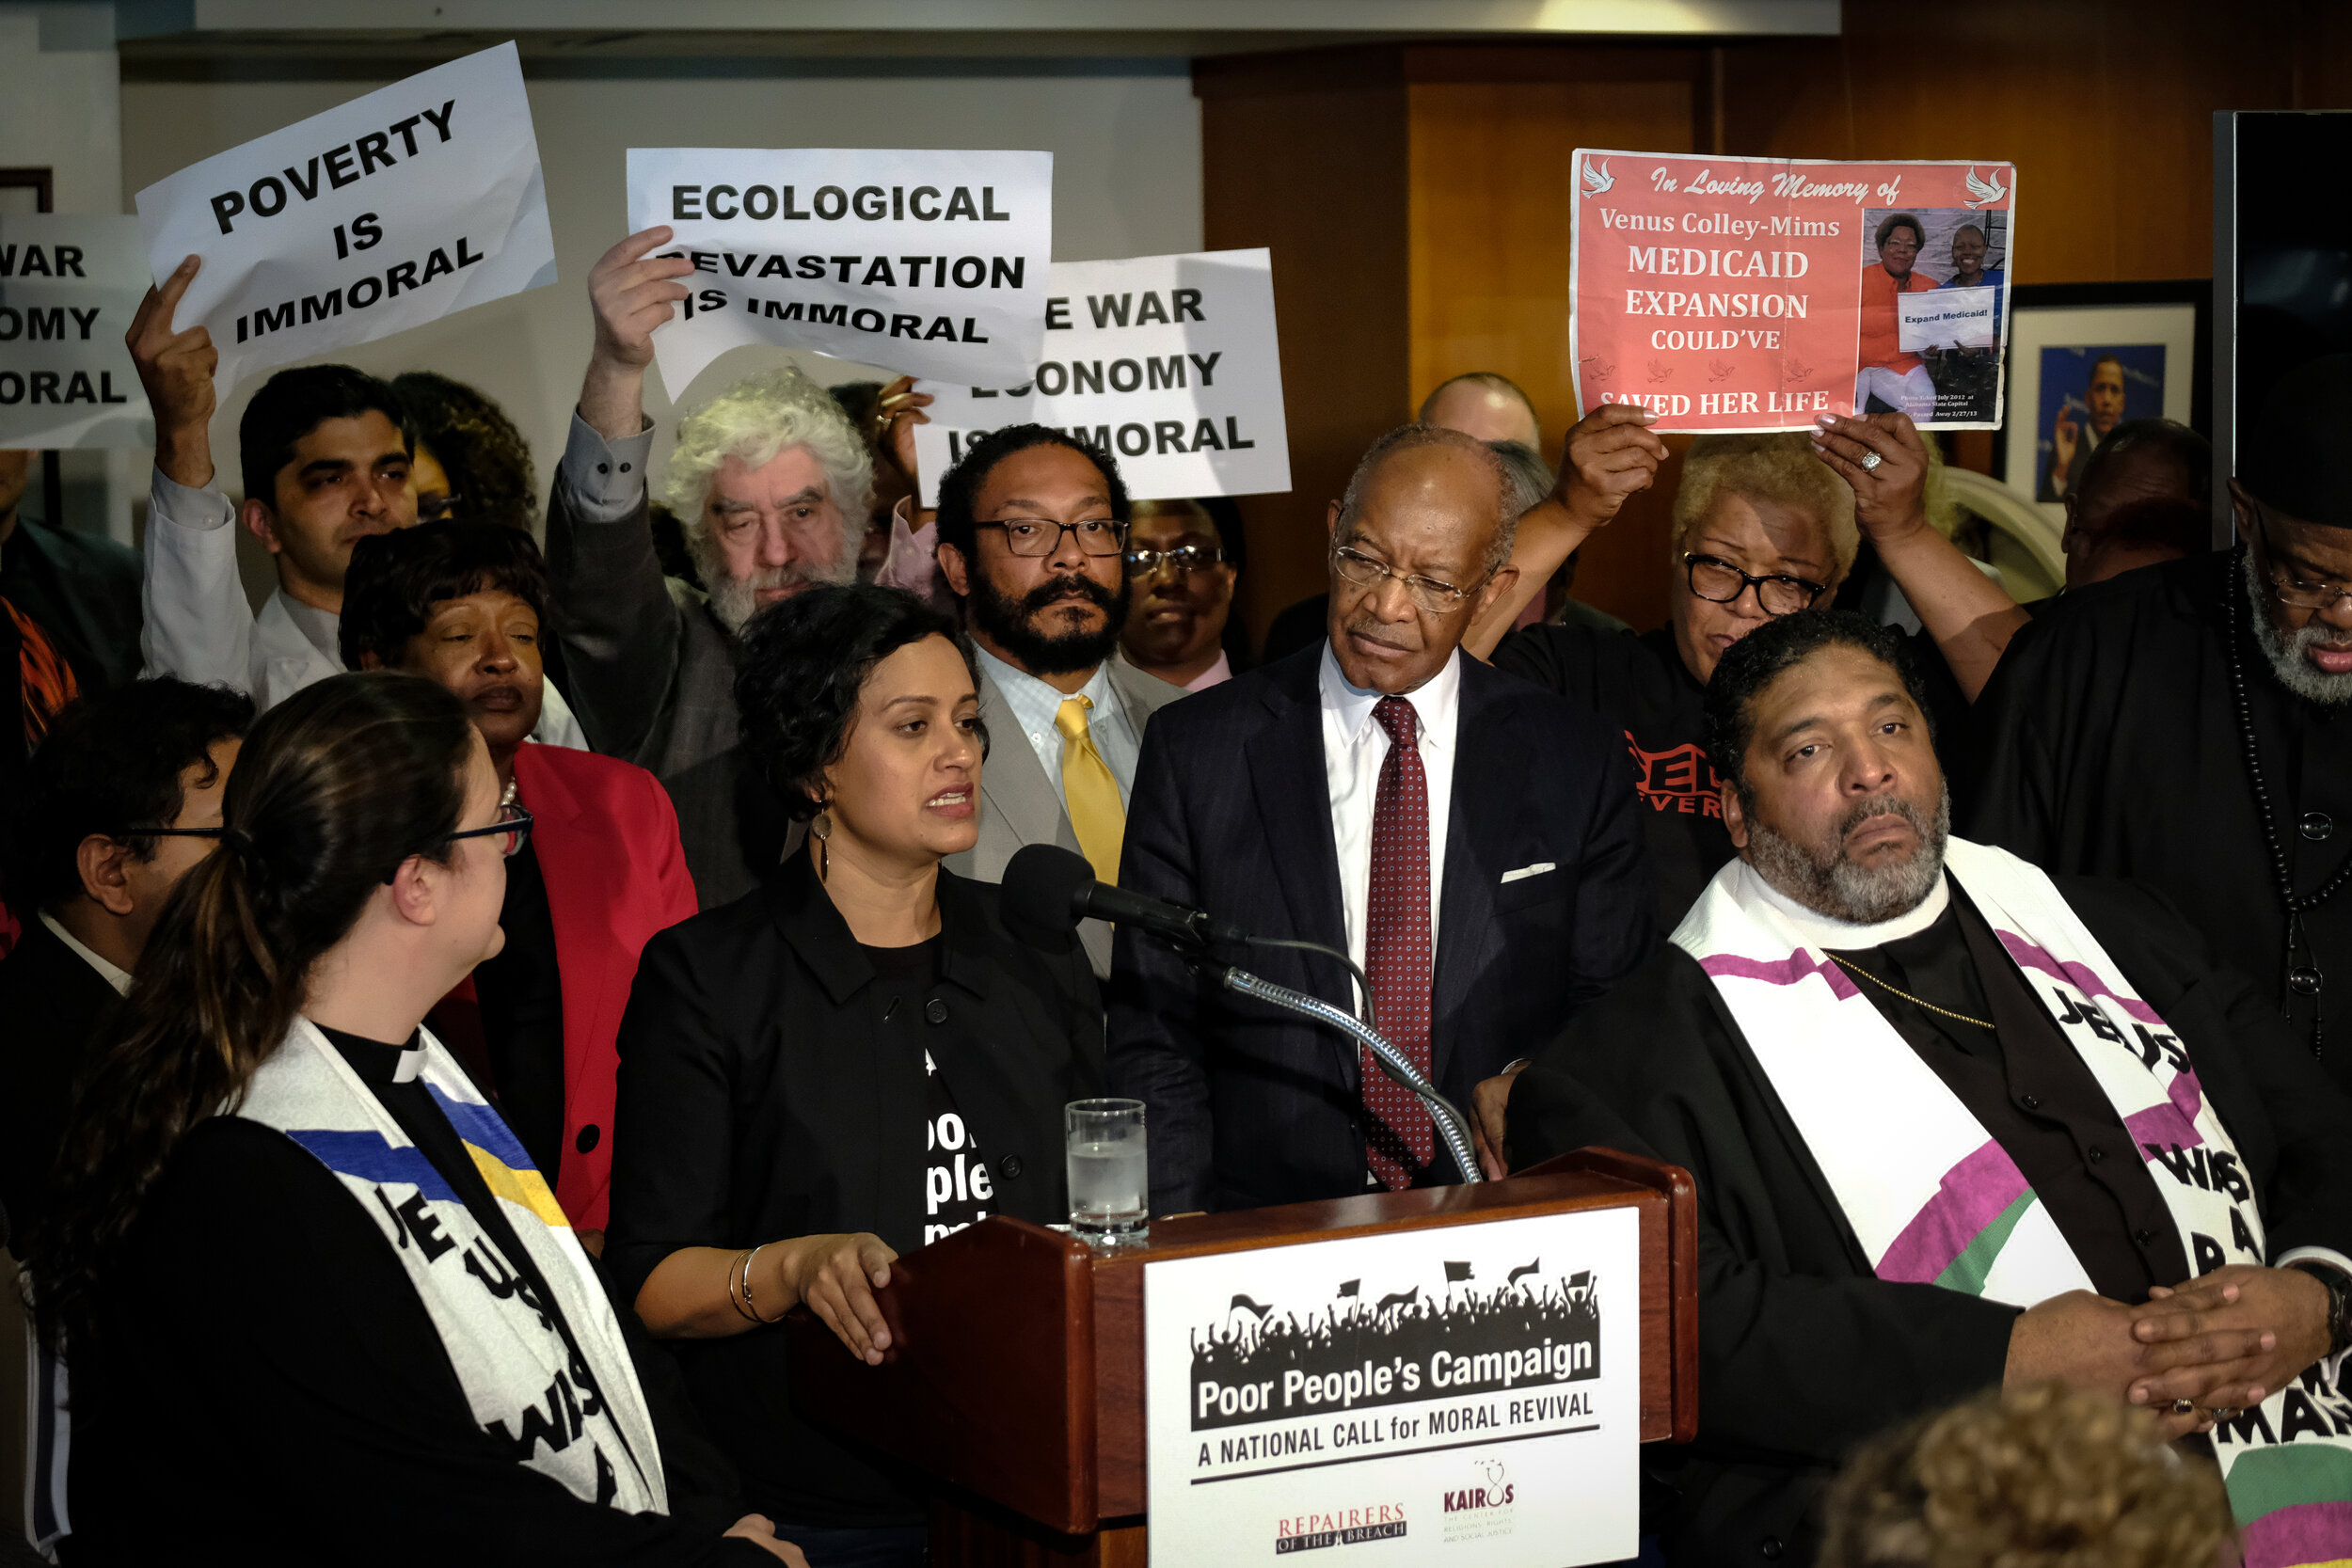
(1481, 1508)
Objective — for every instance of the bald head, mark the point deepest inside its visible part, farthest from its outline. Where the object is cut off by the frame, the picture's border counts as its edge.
(1485, 405)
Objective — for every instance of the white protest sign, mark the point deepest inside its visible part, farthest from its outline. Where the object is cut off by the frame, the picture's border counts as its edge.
(394, 210)
(1169, 361)
(930, 263)
(1459, 1395)
(1947, 318)
(69, 287)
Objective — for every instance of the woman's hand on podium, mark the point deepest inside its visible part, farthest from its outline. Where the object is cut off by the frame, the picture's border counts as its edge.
(837, 1275)
(761, 1533)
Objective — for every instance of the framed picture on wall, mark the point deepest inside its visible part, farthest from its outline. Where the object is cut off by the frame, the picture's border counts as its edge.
(2086, 357)
(25, 190)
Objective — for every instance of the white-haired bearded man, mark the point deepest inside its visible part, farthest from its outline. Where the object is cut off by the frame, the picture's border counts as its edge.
(771, 485)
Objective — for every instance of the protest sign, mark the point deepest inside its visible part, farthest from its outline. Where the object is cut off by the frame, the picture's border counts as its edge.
(1759, 293)
(392, 210)
(69, 287)
(1169, 361)
(930, 263)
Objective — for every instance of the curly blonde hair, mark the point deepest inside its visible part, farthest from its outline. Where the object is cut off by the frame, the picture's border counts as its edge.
(2046, 1477)
(1778, 468)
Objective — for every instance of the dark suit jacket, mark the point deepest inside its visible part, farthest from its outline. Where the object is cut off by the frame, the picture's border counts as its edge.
(83, 590)
(1230, 813)
(773, 1086)
(652, 676)
(52, 1006)
(1803, 1352)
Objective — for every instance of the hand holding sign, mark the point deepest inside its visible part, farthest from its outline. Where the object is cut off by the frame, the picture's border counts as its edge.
(176, 368)
(1889, 495)
(630, 292)
(1610, 456)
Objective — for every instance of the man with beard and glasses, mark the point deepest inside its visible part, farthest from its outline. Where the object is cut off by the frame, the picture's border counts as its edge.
(2190, 725)
(1468, 839)
(770, 482)
(1956, 1125)
(1032, 535)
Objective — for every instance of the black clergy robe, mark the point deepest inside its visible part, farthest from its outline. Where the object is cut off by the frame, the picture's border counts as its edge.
(1803, 1352)
(2111, 749)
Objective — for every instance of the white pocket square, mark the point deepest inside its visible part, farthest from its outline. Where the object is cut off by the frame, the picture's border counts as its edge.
(1526, 871)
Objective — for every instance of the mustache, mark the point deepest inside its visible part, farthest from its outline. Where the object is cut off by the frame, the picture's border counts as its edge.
(1047, 594)
(1373, 629)
(1885, 805)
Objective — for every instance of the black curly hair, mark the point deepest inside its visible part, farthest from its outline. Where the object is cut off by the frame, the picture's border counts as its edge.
(959, 488)
(488, 461)
(804, 663)
(1757, 660)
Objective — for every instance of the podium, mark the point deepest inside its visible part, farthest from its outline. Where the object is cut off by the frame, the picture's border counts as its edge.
(1015, 1378)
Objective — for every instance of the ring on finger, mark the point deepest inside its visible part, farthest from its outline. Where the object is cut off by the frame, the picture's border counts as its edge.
(1870, 462)
(2183, 1407)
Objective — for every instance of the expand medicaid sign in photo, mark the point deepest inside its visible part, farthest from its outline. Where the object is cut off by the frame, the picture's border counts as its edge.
(1750, 293)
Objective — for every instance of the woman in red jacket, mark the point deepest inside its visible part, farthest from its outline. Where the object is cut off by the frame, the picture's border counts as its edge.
(602, 872)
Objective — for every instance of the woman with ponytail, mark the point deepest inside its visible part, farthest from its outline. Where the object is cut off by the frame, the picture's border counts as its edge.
(315, 1300)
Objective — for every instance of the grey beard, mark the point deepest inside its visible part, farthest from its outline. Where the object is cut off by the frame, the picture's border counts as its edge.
(735, 600)
(2285, 650)
(1840, 889)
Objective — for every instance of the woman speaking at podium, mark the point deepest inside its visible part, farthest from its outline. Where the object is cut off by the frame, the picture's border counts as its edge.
(848, 1063)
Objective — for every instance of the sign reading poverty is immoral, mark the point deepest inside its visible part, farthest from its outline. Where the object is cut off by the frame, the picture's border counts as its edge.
(930, 263)
(1754, 294)
(394, 210)
(69, 287)
(1170, 362)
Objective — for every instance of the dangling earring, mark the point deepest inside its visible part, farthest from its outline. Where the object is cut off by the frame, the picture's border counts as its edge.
(822, 829)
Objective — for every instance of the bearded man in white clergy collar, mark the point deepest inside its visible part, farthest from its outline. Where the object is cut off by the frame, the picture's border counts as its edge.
(1956, 1124)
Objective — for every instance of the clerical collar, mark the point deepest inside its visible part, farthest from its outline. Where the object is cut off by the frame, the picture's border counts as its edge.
(374, 1060)
(1818, 930)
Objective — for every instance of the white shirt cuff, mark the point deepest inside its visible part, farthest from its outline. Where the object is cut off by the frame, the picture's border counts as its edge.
(604, 480)
(185, 506)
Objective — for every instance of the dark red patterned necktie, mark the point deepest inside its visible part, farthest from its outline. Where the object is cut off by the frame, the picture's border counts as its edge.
(1400, 1138)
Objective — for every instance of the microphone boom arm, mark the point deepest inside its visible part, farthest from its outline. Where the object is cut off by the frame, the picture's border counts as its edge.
(1451, 1125)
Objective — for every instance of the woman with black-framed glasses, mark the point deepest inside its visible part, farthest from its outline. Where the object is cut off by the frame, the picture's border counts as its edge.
(1761, 530)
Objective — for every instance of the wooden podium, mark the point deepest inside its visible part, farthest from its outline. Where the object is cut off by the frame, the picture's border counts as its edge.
(1015, 1378)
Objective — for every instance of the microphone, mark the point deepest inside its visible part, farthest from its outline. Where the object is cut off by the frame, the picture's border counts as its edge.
(1048, 889)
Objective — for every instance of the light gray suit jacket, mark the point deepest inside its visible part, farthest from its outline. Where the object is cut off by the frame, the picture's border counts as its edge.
(1019, 804)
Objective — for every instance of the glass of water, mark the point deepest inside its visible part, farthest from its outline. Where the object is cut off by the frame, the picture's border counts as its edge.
(1108, 1175)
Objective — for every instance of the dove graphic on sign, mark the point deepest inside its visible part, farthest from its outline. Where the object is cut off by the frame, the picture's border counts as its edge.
(1597, 181)
(1980, 191)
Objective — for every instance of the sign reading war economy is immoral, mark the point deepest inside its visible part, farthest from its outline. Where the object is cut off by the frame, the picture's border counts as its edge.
(1170, 362)
(1754, 294)
(391, 211)
(69, 287)
(930, 264)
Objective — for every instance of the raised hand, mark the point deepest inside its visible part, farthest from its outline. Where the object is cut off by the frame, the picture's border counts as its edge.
(1890, 496)
(897, 409)
(631, 292)
(1611, 455)
(176, 368)
(2065, 437)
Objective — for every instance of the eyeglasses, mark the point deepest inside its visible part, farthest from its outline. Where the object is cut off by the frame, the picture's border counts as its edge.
(165, 833)
(1432, 596)
(510, 832)
(1718, 582)
(1036, 536)
(2290, 590)
(1185, 558)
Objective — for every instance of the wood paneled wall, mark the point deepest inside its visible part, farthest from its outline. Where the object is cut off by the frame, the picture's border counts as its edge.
(1416, 197)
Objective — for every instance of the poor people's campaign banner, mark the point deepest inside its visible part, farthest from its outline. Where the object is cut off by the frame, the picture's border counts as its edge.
(1170, 362)
(69, 287)
(1759, 293)
(394, 210)
(930, 264)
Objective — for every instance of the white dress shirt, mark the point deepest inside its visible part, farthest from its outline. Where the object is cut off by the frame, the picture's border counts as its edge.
(1034, 705)
(1354, 747)
(112, 974)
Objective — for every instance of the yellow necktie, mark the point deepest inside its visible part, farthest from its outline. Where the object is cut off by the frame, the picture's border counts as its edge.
(1091, 791)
